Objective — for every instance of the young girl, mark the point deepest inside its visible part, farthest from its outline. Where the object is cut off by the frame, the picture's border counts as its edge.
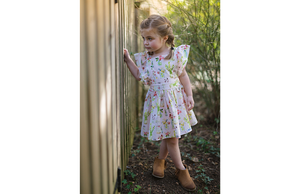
(168, 104)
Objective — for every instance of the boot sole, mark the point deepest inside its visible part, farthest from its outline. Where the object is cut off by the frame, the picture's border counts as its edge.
(158, 176)
(187, 189)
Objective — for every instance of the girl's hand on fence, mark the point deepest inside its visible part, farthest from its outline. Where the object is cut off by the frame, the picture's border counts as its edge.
(126, 55)
(190, 103)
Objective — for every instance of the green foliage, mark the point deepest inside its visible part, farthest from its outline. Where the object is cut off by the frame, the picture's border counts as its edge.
(129, 183)
(203, 143)
(157, 143)
(206, 179)
(133, 175)
(197, 23)
(217, 120)
(128, 172)
(215, 151)
(137, 188)
(124, 181)
(200, 191)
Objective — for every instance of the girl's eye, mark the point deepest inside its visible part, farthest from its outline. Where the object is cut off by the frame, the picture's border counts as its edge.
(149, 38)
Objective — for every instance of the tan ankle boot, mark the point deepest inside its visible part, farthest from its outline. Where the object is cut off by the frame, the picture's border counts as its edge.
(158, 167)
(185, 179)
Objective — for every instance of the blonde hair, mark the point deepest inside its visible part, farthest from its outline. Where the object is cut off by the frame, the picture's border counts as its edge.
(163, 27)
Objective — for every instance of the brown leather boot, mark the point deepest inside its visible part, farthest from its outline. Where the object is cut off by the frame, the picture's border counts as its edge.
(158, 167)
(185, 179)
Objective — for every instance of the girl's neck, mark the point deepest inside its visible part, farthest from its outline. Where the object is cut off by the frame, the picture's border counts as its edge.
(162, 51)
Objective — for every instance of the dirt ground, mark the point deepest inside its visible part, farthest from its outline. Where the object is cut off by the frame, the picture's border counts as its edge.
(200, 151)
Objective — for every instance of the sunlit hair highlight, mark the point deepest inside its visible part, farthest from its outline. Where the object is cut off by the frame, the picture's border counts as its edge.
(163, 27)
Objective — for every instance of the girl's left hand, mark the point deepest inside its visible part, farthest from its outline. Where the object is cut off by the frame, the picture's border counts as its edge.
(190, 103)
(126, 55)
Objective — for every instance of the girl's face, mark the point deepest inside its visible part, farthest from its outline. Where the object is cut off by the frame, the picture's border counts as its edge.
(152, 41)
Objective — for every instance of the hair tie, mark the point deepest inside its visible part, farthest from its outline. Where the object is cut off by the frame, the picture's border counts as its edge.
(172, 48)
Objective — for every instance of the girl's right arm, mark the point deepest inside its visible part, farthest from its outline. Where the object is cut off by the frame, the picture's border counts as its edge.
(131, 65)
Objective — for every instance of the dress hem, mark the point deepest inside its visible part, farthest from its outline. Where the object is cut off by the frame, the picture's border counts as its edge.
(194, 123)
(168, 137)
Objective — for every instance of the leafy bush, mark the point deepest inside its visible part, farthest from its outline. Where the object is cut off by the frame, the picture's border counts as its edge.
(197, 23)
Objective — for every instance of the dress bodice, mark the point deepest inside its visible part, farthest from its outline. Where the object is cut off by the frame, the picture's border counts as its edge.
(158, 70)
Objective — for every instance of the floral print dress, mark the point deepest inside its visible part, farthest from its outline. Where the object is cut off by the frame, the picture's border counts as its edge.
(165, 112)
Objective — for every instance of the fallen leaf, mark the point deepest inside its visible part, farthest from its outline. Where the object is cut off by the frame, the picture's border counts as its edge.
(195, 159)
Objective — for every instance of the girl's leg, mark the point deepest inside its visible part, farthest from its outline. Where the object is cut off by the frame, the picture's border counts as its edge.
(163, 151)
(173, 148)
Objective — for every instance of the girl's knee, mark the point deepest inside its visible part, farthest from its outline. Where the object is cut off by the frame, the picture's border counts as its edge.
(172, 141)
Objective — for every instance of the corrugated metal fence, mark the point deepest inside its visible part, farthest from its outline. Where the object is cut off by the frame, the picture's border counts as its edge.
(108, 92)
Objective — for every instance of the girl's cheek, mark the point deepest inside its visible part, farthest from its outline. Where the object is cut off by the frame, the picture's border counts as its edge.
(153, 45)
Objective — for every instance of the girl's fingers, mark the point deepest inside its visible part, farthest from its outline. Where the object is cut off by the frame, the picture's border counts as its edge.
(190, 106)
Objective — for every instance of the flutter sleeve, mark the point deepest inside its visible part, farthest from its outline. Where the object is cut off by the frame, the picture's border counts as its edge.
(181, 57)
(141, 62)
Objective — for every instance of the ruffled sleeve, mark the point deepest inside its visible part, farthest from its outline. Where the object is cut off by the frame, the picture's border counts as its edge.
(181, 57)
(141, 62)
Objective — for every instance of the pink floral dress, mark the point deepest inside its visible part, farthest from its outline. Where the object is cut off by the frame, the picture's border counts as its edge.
(165, 112)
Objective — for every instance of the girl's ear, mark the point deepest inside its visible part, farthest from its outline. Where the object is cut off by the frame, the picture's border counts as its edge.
(165, 38)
